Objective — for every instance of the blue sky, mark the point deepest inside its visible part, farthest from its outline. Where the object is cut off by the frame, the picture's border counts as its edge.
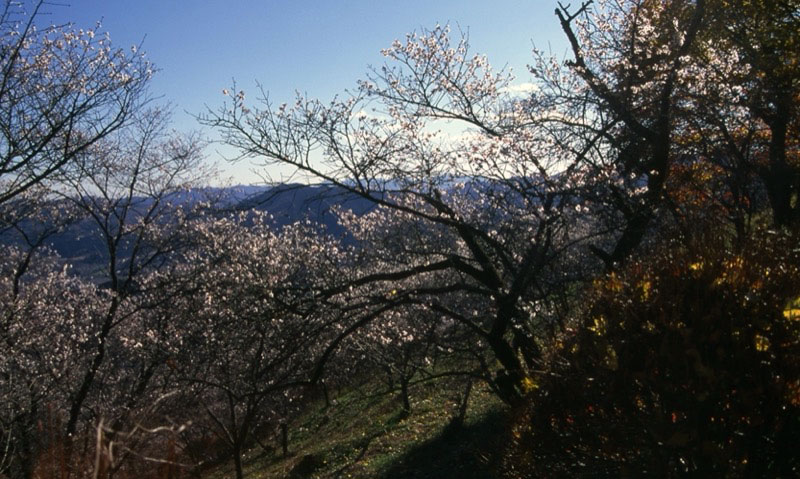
(317, 47)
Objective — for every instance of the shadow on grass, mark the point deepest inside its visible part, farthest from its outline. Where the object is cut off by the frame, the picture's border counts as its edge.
(459, 452)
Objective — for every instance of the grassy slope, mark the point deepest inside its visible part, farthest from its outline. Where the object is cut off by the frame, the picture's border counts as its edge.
(365, 435)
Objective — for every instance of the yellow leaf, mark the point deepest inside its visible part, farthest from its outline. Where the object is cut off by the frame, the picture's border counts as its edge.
(646, 287)
(528, 384)
(610, 361)
(761, 342)
(697, 266)
(614, 284)
(792, 311)
(600, 326)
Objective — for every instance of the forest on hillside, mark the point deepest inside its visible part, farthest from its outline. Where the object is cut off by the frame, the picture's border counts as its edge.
(612, 254)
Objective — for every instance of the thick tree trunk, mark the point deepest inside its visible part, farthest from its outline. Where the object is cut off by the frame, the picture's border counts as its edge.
(779, 177)
(325, 394)
(284, 439)
(404, 394)
(507, 382)
(237, 460)
(458, 420)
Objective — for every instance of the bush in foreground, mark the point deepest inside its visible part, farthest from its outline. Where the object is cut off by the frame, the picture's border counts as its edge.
(687, 361)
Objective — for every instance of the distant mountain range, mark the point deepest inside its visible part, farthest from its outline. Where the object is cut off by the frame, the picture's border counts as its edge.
(82, 244)
(294, 202)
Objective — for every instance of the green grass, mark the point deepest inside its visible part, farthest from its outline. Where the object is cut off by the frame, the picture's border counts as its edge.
(366, 434)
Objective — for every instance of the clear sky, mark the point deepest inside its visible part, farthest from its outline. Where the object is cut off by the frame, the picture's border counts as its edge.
(317, 47)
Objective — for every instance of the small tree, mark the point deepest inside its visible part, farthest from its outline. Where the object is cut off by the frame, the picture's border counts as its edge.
(128, 187)
(681, 92)
(106, 330)
(246, 349)
(61, 91)
(46, 326)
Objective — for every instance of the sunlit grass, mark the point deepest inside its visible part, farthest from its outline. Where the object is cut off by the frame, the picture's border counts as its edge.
(365, 433)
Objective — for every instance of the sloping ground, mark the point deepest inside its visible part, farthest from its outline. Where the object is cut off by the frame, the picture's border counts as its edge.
(367, 435)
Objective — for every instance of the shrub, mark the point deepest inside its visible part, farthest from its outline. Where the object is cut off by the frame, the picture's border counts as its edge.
(686, 361)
